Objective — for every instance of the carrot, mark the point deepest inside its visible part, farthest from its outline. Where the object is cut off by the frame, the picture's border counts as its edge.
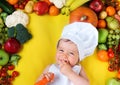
(110, 10)
(44, 81)
(103, 55)
(12, 2)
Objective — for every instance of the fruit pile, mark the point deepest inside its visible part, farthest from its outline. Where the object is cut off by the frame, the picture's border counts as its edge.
(109, 35)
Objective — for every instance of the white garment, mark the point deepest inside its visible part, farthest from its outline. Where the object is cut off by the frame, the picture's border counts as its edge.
(60, 79)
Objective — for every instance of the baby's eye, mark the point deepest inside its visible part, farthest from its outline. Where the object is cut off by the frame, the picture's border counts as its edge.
(71, 53)
(61, 50)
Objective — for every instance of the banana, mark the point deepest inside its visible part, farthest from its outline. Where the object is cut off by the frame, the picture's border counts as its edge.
(77, 3)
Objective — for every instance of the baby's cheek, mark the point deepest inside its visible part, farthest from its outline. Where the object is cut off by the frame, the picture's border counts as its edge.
(57, 58)
(73, 61)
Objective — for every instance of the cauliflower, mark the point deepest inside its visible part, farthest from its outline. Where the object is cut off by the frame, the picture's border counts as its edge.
(58, 3)
(17, 17)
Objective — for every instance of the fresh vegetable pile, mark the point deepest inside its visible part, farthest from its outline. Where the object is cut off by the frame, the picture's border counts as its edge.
(13, 34)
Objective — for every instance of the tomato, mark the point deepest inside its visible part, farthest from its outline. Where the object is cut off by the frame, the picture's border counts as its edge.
(3, 74)
(11, 67)
(110, 53)
(110, 68)
(15, 73)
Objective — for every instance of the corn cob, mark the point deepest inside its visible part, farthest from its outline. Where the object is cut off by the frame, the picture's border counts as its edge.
(69, 2)
(63, 10)
(67, 11)
(77, 3)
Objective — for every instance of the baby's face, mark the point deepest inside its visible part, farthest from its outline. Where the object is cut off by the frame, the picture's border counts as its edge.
(67, 52)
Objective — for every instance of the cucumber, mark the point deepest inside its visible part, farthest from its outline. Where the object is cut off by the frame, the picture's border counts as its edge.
(6, 7)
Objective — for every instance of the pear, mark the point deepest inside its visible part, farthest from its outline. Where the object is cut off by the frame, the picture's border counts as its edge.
(112, 23)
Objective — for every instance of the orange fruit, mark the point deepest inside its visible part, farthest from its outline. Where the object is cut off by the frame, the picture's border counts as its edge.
(53, 10)
(12, 2)
(118, 75)
(110, 10)
(103, 55)
(101, 23)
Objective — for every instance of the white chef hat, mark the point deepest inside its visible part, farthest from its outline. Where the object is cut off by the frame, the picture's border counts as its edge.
(84, 35)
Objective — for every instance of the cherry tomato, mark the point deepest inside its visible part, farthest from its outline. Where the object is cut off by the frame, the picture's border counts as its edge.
(15, 73)
(16, 6)
(110, 53)
(11, 67)
(110, 68)
(3, 74)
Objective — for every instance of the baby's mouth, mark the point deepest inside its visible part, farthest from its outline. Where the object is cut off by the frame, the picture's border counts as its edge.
(66, 61)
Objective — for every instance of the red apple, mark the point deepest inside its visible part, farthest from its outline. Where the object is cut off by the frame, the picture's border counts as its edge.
(41, 7)
(12, 45)
(96, 5)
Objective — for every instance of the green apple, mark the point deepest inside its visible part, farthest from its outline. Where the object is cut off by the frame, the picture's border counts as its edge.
(113, 81)
(4, 57)
(102, 37)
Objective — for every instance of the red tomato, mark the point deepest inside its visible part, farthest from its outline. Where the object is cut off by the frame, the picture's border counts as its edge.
(111, 69)
(110, 53)
(15, 73)
(11, 67)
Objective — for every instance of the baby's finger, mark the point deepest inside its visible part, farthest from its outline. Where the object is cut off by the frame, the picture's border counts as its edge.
(47, 75)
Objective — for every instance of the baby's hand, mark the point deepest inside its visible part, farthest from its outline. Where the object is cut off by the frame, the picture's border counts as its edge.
(49, 76)
(45, 78)
(65, 68)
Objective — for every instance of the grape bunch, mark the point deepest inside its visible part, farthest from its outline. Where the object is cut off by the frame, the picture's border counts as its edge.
(3, 35)
(3, 28)
(113, 38)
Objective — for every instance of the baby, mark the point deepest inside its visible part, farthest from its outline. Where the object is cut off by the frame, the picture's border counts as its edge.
(78, 40)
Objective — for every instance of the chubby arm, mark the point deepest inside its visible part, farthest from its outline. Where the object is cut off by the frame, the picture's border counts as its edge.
(80, 79)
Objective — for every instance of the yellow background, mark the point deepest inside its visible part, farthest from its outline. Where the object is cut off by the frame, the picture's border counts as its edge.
(38, 52)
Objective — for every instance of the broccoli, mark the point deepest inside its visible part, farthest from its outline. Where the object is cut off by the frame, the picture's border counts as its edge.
(20, 33)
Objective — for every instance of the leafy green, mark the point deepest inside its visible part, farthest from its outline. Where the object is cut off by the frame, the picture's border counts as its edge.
(14, 59)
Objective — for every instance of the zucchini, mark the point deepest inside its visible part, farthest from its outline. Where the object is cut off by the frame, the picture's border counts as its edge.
(6, 7)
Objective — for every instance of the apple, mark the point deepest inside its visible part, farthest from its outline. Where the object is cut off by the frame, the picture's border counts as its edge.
(4, 57)
(113, 81)
(96, 5)
(41, 7)
(12, 45)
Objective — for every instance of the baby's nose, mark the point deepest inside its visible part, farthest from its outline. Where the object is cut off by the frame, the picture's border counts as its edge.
(64, 58)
